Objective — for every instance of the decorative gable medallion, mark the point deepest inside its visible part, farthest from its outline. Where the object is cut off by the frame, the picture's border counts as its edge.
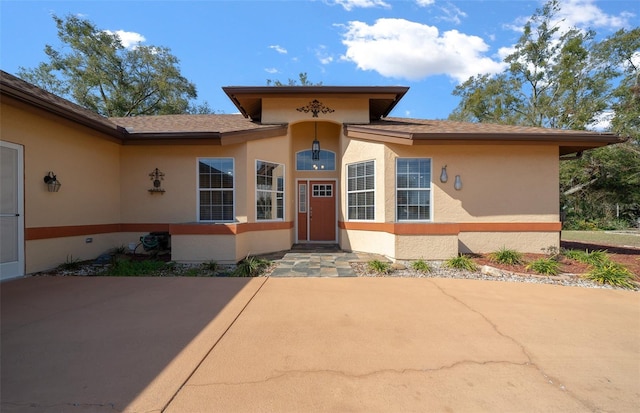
(315, 107)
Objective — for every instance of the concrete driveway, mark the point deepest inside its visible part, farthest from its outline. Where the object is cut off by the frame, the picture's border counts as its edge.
(92, 344)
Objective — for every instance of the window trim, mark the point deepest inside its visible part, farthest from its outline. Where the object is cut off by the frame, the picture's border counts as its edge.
(430, 189)
(199, 190)
(374, 190)
(283, 192)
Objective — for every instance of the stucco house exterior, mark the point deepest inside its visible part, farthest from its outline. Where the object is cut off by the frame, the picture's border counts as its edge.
(298, 164)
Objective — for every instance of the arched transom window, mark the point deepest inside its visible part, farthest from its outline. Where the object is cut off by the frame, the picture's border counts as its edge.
(326, 161)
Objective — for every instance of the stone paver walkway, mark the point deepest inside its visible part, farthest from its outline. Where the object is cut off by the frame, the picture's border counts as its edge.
(320, 261)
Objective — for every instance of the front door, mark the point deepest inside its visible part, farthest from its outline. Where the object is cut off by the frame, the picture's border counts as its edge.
(317, 211)
(11, 214)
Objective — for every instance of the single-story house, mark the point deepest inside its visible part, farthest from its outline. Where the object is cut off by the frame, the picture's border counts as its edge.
(297, 164)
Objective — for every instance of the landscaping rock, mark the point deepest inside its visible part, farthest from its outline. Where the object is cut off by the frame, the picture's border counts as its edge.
(494, 272)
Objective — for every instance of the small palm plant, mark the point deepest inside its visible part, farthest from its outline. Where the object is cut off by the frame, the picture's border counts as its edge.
(613, 274)
(421, 266)
(544, 266)
(506, 256)
(379, 267)
(461, 262)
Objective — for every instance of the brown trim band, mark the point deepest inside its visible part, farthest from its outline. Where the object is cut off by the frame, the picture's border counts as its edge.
(451, 228)
(32, 234)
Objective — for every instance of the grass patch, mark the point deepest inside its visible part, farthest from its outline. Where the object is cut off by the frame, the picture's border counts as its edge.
(544, 266)
(601, 237)
(379, 267)
(421, 266)
(127, 268)
(506, 256)
(461, 262)
(613, 274)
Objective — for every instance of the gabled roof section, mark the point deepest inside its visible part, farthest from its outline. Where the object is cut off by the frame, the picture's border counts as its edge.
(32, 95)
(443, 132)
(248, 99)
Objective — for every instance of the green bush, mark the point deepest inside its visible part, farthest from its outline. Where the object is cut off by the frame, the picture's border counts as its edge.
(251, 267)
(544, 266)
(211, 266)
(506, 256)
(613, 274)
(379, 267)
(461, 262)
(595, 258)
(128, 268)
(421, 266)
(577, 255)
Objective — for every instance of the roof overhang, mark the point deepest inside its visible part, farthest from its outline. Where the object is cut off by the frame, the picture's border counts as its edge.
(568, 143)
(248, 99)
(204, 138)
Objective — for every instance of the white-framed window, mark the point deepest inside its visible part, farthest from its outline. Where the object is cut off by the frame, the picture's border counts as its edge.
(361, 195)
(305, 161)
(413, 189)
(216, 189)
(269, 190)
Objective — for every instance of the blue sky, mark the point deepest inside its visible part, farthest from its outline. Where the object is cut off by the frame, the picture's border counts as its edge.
(428, 45)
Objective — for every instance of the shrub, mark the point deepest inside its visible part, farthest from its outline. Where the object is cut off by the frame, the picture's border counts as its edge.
(210, 266)
(421, 266)
(545, 266)
(251, 267)
(613, 274)
(71, 264)
(577, 255)
(379, 267)
(461, 262)
(595, 258)
(506, 256)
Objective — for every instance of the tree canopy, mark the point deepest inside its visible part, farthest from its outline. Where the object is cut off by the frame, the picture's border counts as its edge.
(95, 70)
(303, 80)
(568, 80)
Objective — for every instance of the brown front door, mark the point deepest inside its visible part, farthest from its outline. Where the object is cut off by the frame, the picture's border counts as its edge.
(317, 211)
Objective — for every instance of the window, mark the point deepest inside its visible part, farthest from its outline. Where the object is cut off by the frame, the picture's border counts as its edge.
(327, 161)
(216, 189)
(413, 189)
(322, 190)
(269, 190)
(361, 190)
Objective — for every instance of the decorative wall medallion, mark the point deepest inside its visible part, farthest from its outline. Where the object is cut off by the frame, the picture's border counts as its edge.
(315, 107)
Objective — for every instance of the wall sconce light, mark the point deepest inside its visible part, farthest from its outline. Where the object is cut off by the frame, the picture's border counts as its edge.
(53, 185)
(156, 176)
(315, 146)
(458, 183)
(443, 175)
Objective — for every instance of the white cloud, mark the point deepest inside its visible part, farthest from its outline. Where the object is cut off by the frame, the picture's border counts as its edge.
(349, 5)
(602, 121)
(425, 3)
(278, 49)
(271, 70)
(586, 14)
(452, 14)
(129, 39)
(400, 48)
(323, 56)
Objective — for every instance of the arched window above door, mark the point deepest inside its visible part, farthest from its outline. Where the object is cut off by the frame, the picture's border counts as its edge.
(326, 161)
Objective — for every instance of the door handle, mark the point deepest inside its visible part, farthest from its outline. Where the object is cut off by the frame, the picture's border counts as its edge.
(310, 213)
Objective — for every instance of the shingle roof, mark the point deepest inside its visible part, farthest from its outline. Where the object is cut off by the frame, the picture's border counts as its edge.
(422, 131)
(187, 123)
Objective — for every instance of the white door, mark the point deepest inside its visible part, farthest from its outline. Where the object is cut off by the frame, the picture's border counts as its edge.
(11, 211)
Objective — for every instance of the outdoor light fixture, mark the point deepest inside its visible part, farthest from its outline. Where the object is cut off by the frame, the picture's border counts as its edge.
(443, 175)
(53, 185)
(458, 183)
(315, 146)
(156, 176)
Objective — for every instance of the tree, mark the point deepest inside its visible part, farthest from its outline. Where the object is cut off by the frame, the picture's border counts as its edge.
(551, 80)
(568, 80)
(100, 74)
(303, 81)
